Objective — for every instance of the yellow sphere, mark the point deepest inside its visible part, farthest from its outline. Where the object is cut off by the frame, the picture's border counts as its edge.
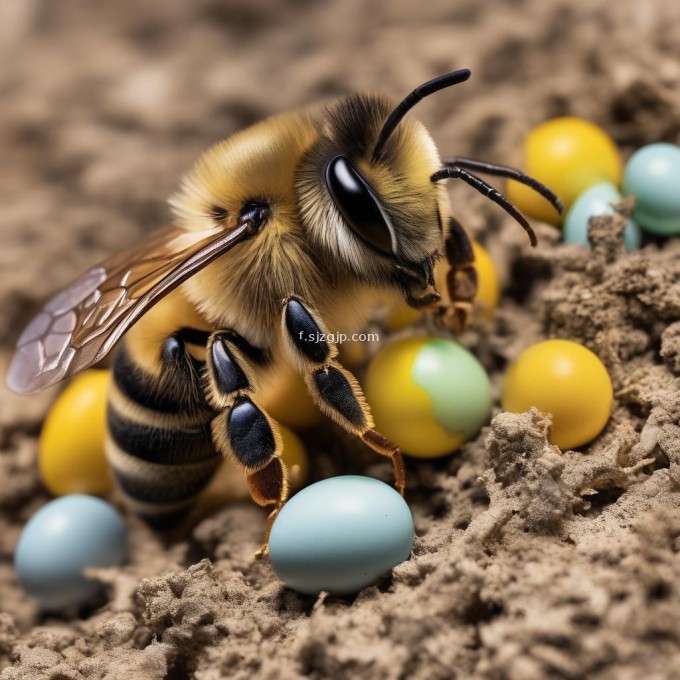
(567, 380)
(288, 401)
(71, 452)
(402, 316)
(353, 353)
(488, 284)
(295, 457)
(428, 395)
(568, 155)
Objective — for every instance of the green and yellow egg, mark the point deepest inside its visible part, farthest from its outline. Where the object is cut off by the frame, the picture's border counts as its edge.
(428, 395)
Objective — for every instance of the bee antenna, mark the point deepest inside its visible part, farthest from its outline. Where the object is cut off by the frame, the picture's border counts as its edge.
(422, 91)
(456, 172)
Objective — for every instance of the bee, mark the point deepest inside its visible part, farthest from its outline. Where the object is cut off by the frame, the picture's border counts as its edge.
(286, 230)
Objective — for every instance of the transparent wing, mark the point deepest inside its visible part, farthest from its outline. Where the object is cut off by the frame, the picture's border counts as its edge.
(80, 325)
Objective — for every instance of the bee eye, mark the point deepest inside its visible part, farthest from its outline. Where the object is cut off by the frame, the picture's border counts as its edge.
(358, 204)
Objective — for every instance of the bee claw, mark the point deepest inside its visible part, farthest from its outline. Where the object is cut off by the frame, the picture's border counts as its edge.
(455, 318)
(461, 318)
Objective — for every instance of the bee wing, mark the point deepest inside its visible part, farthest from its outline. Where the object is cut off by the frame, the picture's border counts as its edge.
(80, 325)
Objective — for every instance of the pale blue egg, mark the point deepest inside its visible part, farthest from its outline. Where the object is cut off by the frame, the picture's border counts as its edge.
(652, 175)
(340, 535)
(596, 201)
(62, 539)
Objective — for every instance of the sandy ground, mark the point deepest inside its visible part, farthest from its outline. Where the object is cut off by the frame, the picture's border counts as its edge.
(529, 562)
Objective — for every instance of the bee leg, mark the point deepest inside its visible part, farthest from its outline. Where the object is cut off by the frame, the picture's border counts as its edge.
(334, 390)
(242, 431)
(461, 280)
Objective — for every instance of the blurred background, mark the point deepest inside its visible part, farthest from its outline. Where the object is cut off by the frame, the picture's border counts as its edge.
(104, 105)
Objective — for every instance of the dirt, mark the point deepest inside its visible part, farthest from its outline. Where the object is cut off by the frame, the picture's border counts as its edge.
(529, 562)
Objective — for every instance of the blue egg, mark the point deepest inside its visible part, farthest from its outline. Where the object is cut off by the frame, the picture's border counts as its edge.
(652, 175)
(596, 201)
(340, 535)
(60, 540)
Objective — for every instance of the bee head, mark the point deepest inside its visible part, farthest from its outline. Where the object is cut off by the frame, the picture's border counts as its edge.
(366, 197)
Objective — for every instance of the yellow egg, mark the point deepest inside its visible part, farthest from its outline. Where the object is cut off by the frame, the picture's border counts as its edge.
(488, 284)
(568, 155)
(428, 395)
(71, 457)
(295, 457)
(287, 400)
(566, 379)
(353, 353)
(486, 300)
(402, 316)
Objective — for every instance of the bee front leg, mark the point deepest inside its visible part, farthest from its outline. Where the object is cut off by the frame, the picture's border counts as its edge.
(334, 390)
(242, 430)
(461, 281)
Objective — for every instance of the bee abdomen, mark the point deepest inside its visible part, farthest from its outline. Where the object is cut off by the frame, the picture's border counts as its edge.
(164, 445)
(157, 483)
(176, 390)
(159, 443)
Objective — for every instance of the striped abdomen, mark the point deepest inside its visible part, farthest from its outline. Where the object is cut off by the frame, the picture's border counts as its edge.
(159, 443)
